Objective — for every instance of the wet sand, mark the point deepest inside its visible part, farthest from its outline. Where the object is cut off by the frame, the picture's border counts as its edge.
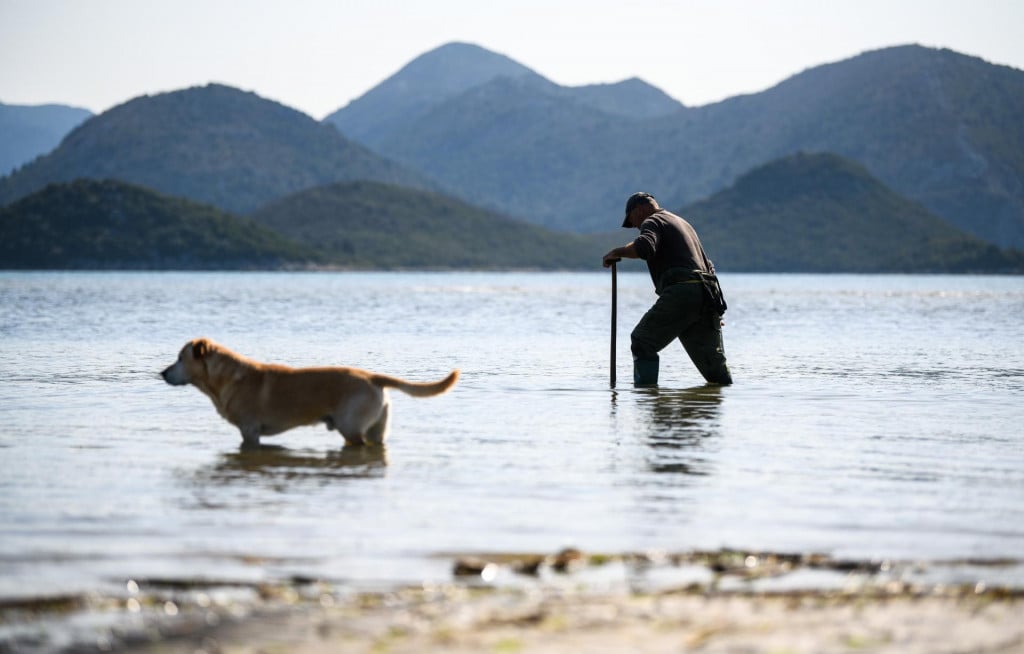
(465, 620)
(733, 602)
(720, 601)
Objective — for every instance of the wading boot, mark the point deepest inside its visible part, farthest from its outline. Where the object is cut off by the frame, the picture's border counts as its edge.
(645, 372)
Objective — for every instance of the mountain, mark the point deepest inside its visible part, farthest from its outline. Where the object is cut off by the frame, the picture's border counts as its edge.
(373, 225)
(823, 213)
(939, 127)
(502, 160)
(447, 72)
(421, 84)
(214, 144)
(631, 98)
(89, 224)
(27, 131)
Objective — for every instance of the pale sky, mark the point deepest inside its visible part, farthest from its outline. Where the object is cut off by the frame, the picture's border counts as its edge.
(317, 55)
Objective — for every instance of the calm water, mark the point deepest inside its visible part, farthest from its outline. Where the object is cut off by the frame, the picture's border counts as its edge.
(873, 416)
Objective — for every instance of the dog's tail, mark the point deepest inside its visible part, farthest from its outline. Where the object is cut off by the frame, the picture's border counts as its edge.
(418, 389)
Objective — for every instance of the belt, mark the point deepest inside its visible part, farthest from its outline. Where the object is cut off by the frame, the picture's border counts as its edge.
(674, 276)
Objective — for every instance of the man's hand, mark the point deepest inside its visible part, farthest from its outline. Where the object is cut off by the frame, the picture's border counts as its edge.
(627, 251)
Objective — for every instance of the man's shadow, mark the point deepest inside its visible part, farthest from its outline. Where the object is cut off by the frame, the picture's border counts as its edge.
(681, 424)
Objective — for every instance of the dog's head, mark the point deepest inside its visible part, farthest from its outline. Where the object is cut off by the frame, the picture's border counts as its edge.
(190, 368)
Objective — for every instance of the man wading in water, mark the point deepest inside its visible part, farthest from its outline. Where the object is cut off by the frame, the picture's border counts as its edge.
(690, 302)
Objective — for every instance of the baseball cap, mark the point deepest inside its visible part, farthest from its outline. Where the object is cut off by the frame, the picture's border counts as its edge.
(632, 203)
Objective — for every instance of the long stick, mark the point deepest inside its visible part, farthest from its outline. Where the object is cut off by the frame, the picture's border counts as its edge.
(615, 294)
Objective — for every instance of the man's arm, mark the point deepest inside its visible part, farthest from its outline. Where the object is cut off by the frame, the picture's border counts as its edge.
(627, 251)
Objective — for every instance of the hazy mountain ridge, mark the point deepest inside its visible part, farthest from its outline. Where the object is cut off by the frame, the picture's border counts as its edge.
(29, 131)
(440, 76)
(496, 154)
(418, 86)
(940, 127)
(630, 98)
(213, 144)
(937, 126)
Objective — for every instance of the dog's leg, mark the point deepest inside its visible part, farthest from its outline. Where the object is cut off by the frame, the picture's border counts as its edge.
(357, 415)
(354, 440)
(351, 428)
(378, 431)
(250, 434)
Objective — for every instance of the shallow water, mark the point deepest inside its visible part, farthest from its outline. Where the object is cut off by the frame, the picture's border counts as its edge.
(873, 417)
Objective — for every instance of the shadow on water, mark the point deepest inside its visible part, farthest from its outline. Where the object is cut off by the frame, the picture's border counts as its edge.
(274, 465)
(679, 424)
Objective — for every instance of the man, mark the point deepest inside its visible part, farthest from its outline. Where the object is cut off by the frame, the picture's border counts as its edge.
(690, 303)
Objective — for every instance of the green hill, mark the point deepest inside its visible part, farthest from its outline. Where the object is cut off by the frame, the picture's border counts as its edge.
(90, 224)
(803, 213)
(373, 225)
(823, 213)
(212, 144)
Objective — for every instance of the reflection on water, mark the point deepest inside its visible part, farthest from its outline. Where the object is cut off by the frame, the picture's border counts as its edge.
(280, 468)
(678, 424)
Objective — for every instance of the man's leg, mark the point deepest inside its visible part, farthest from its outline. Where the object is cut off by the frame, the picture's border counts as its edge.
(703, 342)
(676, 307)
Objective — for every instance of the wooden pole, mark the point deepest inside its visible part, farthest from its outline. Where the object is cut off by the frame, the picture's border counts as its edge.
(615, 293)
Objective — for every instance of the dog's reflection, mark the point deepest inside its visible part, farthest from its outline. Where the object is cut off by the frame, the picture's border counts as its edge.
(681, 423)
(270, 464)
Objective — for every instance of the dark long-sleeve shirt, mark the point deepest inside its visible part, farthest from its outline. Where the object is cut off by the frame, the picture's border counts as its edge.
(666, 241)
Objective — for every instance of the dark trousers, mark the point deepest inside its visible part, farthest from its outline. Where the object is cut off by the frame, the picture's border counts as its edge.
(682, 311)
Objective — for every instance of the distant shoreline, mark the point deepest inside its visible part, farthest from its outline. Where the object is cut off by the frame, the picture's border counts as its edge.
(596, 269)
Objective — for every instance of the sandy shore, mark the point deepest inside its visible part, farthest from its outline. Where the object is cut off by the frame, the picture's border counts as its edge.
(694, 602)
(722, 601)
(458, 620)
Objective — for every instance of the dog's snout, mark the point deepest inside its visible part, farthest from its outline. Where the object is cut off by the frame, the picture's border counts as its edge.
(172, 375)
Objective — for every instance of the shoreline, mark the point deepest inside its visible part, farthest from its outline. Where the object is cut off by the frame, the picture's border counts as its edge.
(570, 601)
(453, 619)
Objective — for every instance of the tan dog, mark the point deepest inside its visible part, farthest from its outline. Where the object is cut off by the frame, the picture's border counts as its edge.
(263, 399)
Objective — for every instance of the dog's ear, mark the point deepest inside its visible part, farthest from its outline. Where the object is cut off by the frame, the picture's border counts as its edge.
(200, 348)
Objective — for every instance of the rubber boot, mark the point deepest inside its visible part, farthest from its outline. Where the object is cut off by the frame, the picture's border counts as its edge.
(645, 372)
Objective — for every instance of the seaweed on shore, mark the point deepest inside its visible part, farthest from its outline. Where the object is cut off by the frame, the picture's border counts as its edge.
(744, 566)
